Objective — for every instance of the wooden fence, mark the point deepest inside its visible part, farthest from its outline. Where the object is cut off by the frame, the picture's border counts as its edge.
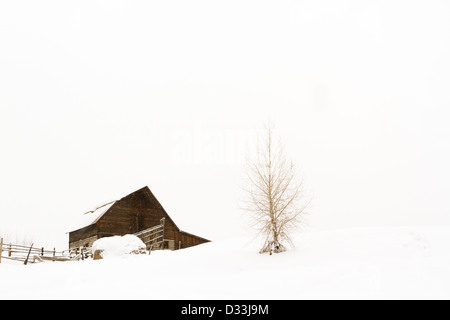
(152, 237)
(30, 254)
(79, 253)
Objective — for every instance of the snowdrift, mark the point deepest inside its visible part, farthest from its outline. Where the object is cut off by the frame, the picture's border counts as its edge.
(375, 263)
(117, 246)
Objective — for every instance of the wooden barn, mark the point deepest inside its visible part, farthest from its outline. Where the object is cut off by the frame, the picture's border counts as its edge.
(133, 214)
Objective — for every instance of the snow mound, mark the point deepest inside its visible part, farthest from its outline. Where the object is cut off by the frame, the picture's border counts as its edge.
(357, 263)
(118, 246)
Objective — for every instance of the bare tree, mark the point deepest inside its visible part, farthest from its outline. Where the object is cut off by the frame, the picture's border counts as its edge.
(275, 195)
(17, 238)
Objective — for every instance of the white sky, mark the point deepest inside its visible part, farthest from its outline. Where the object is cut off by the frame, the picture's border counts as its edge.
(100, 98)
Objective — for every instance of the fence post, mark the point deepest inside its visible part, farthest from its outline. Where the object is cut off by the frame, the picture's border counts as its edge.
(1, 249)
(54, 253)
(162, 235)
(26, 260)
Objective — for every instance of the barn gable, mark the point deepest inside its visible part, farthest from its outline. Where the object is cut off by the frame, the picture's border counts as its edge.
(137, 211)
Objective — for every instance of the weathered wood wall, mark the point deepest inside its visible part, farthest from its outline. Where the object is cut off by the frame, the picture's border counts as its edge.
(135, 212)
(82, 237)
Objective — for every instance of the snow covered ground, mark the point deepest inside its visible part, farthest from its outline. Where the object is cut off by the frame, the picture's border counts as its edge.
(372, 263)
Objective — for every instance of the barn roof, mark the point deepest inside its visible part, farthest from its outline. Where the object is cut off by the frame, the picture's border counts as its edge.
(91, 217)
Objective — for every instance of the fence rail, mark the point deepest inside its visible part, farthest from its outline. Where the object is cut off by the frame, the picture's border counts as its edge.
(30, 254)
(152, 237)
